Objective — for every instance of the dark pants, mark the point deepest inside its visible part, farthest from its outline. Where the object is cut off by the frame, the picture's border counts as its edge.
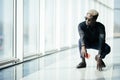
(105, 48)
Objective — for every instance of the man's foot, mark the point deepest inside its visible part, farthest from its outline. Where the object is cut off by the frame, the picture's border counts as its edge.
(81, 65)
(100, 63)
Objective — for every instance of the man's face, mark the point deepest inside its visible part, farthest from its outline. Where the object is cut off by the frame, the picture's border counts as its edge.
(89, 20)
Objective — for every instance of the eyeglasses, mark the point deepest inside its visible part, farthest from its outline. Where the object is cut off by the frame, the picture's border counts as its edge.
(89, 19)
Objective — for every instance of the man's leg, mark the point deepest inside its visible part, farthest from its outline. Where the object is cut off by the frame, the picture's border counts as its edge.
(105, 50)
(83, 63)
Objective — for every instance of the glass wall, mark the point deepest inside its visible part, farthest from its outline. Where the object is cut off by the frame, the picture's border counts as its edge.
(6, 29)
(50, 25)
(63, 23)
(31, 22)
(77, 17)
(116, 18)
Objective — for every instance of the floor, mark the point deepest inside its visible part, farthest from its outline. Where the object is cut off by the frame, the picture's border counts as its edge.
(62, 66)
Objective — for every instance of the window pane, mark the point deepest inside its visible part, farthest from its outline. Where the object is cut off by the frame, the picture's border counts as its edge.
(6, 28)
(64, 23)
(31, 17)
(49, 25)
(77, 16)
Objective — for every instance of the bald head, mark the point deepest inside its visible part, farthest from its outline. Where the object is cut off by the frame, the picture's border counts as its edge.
(93, 13)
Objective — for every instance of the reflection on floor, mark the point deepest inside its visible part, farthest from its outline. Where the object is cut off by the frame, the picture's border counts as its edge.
(62, 66)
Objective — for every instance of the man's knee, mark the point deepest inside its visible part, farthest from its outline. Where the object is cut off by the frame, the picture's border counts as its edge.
(108, 49)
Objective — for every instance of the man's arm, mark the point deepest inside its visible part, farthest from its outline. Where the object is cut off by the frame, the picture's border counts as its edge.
(81, 34)
(101, 38)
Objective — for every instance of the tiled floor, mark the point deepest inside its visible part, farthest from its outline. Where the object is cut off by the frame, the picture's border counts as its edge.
(62, 66)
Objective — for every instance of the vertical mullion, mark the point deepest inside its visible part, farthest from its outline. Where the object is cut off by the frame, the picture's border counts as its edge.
(19, 29)
(42, 26)
(14, 27)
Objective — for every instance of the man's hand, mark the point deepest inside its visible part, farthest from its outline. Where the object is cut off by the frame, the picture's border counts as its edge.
(100, 63)
(83, 51)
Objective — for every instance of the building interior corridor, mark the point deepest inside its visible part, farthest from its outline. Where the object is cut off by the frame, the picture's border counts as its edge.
(39, 39)
(62, 66)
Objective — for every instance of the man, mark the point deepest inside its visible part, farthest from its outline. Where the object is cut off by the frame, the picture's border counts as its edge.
(92, 35)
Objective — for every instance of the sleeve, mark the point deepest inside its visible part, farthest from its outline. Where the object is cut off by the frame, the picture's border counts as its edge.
(102, 36)
(81, 34)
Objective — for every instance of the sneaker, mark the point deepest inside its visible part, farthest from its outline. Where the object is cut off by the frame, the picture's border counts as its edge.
(81, 65)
